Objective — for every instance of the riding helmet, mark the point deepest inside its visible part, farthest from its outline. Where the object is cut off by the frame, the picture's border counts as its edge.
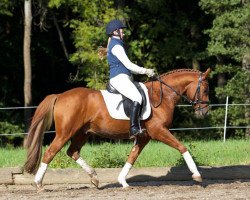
(114, 25)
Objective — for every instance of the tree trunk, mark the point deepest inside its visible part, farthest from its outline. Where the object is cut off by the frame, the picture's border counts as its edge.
(195, 64)
(221, 79)
(194, 33)
(27, 61)
(61, 37)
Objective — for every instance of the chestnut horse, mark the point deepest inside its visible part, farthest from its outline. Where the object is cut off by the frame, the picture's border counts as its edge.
(80, 112)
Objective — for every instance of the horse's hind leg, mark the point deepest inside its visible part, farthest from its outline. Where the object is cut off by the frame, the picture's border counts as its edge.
(74, 152)
(140, 143)
(48, 156)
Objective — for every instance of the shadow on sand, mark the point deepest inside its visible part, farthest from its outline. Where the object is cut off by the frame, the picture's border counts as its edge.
(182, 176)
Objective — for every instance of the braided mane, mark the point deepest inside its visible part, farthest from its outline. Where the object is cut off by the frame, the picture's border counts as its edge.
(175, 71)
(178, 70)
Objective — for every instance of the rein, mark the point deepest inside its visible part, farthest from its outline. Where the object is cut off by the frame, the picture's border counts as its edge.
(192, 102)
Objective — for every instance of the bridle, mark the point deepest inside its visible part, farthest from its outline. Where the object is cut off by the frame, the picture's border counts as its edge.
(193, 102)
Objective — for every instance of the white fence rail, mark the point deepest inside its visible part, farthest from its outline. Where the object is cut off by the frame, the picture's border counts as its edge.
(225, 127)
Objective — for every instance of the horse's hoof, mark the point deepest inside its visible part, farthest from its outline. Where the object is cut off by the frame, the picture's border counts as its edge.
(95, 182)
(127, 187)
(39, 187)
(197, 178)
(124, 184)
(94, 179)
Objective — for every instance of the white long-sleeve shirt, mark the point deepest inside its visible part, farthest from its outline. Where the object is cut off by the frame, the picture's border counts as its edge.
(119, 52)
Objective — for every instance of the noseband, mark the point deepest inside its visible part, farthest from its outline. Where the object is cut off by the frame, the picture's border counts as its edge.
(198, 94)
(192, 102)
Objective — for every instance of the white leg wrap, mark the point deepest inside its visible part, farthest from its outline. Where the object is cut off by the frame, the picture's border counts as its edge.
(190, 163)
(91, 172)
(85, 166)
(40, 173)
(123, 174)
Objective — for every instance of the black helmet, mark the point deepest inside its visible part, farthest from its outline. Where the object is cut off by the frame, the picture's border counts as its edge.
(114, 25)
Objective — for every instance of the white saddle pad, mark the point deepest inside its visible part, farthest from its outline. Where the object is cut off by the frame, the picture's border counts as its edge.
(112, 101)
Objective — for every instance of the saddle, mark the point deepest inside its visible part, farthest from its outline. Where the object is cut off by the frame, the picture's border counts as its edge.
(126, 102)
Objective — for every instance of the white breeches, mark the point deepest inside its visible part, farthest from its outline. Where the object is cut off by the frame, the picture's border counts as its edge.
(124, 85)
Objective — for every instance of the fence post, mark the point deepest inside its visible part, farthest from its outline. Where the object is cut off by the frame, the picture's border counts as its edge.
(225, 124)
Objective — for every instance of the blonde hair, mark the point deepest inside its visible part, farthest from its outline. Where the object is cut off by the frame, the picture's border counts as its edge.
(102, 51)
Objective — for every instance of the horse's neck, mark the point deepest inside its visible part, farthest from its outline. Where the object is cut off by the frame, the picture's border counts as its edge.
(179, 81)
(176, 82)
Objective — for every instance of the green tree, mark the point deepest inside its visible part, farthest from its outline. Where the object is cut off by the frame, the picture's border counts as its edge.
(165, 35)
(88, 25)
(6, 7)
(229, 44)
(168, 34)
(8, 49)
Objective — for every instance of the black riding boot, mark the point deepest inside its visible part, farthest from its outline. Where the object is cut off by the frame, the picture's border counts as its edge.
(135, 128)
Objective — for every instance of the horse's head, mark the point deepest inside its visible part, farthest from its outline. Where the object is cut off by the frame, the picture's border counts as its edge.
(198, 94)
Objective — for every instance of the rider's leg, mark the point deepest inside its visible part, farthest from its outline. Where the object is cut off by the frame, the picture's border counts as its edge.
(123, 84)
(134, 120)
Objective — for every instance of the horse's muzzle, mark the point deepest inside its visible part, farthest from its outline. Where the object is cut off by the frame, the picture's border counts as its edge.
(201, 111)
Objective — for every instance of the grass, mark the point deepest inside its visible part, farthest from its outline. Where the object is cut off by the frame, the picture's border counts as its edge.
(12, 157)
(155, 154)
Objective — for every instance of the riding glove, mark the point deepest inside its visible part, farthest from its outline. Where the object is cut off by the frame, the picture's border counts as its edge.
(150, 72)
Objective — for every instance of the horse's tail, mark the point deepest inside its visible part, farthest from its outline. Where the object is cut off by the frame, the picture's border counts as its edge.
(42, 121)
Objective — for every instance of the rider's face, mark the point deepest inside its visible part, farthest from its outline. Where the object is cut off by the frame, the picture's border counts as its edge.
(121, 34)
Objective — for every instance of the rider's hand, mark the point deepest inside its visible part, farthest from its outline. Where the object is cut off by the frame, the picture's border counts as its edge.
(150, 72)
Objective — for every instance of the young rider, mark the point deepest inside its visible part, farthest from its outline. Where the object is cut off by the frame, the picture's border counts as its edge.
(121, 69)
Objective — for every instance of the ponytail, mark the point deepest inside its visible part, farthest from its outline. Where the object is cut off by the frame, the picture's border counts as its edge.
(102, 51)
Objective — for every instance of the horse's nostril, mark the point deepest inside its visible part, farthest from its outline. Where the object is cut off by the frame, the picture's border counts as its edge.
(206, 113)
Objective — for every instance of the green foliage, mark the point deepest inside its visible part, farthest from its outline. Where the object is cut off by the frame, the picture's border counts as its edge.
(155, 154)
(164, 35)
(9, 125)
(105, 156)
(168, 40)
(236, 90)
(9, 128)
(161, 43)
(12, 157)
(230, 43)
(88, 34)
(86, 41)
(61, 160)
(192, 147)
(6, 7)
(6, 128)
(235, 86)
(230, 33)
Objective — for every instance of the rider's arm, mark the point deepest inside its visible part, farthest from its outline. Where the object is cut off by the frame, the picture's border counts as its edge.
(119, 52)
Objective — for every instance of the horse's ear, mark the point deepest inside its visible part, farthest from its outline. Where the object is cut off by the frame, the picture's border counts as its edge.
(206, 73)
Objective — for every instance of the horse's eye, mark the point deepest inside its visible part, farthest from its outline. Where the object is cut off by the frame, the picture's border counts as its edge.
(205, 91)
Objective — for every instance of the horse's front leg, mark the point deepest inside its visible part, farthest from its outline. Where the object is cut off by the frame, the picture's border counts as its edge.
(140, 143)
(166, 137)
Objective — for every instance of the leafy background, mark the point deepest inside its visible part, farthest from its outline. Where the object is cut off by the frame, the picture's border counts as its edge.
(163, 35)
